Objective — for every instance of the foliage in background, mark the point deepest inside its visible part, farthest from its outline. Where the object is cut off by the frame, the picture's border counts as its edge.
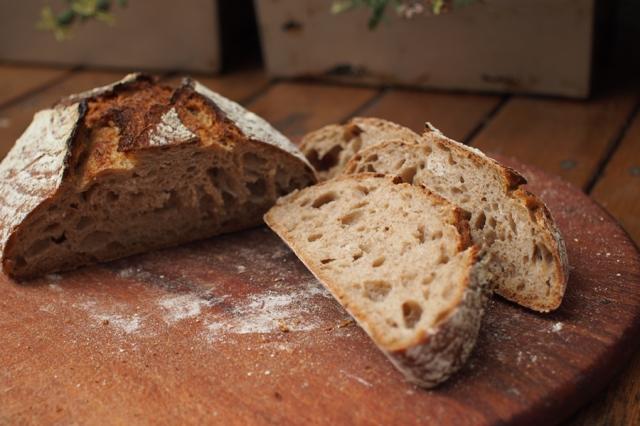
(60, 23)
(404, 8)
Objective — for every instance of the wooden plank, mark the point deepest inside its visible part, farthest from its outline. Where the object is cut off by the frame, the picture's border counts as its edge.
(565, 138)
(239, 86)
(618, 191)
(17, 116)
(297, 108)
(456, 115)
(16, 81)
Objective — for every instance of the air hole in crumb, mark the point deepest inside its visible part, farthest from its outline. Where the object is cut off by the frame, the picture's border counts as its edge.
(512, 224)
(420, 234)
(323, 199)
(520, 286)
(363, 189)
(461, 179)
(376, 291)
(490, 237)
(456, 190)
(400, 163)
(436, 235)
(327, 161)
(305, 202)
(357, 255)
(370, 168)
(351, 218)
(360, 204)
(411, 313)
(492, 222)
(59, 240)
(314, 237)
(480, 221)
(451, 160)
(378, 262)
(371, 158)
(325, 261)
(408, 174)
(258, 189)
(443, 259)
(428, 279)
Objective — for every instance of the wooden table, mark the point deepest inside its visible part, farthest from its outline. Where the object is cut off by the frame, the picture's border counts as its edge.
(595, 145)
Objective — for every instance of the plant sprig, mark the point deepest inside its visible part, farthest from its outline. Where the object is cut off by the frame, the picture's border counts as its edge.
(60, 23)
(404, 8)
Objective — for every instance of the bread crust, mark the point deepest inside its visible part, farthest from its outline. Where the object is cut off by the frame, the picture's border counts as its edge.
(430, 358)
(40, 163)
(512, 183)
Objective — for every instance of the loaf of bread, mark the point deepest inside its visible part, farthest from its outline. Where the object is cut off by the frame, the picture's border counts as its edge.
(525, 252)
(136, 166)
(399, 259)
(331, 147)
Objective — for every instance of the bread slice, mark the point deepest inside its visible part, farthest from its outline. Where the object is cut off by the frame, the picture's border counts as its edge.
(525, 253)
(136, 166)
(331, 147)
(399, 259)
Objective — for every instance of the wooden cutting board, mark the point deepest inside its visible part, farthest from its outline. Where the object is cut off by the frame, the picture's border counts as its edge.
(234, 330)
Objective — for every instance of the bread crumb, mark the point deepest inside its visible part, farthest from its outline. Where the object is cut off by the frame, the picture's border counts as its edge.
(557, 327)
(283, 326)
(241, 269)
(345, 323)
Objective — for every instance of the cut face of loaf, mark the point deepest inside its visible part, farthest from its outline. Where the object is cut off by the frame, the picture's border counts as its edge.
(137, 166)
(524, 250)
(399, 259)
(331, 147)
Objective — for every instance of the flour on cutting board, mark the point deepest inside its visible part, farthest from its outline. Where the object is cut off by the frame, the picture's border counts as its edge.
(271, 311)
(184, 306)
(123, 323)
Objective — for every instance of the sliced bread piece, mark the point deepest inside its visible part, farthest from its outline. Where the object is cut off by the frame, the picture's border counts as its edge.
(136, 166)
(331, 147)
(399, 259)
(525, 253)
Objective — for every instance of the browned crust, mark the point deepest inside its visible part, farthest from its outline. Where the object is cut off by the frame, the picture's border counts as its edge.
(428, 359)
(512, 186)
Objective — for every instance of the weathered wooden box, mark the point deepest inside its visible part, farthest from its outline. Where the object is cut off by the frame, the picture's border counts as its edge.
(532, 46)
(158, 34)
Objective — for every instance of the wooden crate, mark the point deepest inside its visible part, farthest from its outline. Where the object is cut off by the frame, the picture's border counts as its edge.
(531, 46)
(156, 35)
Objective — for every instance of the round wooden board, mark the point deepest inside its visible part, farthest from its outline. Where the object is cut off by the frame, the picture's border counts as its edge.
(234, 330)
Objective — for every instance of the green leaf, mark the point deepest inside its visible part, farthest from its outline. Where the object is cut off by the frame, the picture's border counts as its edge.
(437, 6)
(65, 18)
